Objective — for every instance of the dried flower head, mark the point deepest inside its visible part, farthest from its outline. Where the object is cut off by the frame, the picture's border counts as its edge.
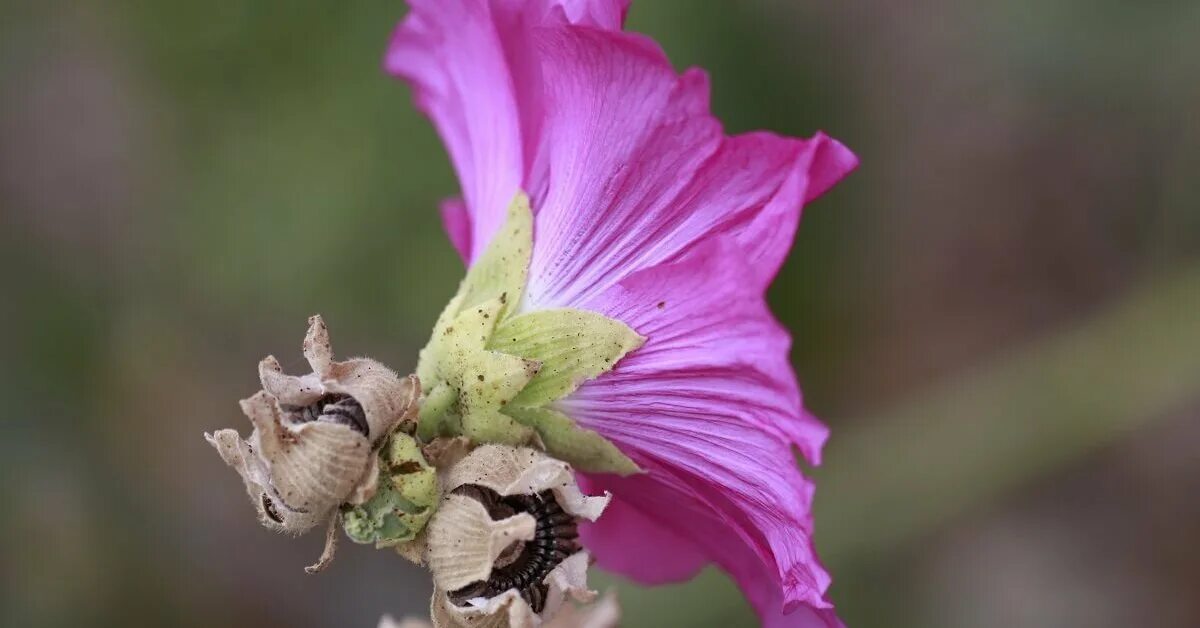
(314, 438)
(503, 545)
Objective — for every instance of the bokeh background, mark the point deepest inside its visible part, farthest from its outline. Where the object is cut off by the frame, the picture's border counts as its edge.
(998, 314)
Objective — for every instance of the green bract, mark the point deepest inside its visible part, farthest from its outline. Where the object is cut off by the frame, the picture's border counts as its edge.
(493, 374)
(404, 498)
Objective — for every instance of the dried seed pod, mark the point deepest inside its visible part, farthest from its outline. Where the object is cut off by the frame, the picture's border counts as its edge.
(388, 622)
(605, 613)
(503, 544)
(314, 438)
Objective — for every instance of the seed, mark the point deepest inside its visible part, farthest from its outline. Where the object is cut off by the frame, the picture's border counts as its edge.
(554, 541)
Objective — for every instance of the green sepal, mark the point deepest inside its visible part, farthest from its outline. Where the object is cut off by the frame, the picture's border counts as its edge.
(482, 381)
(405, 497)
(573, 346)
(498, 274)
(438, 412)
(427, 360)
(583, 448)
(490, 374)
(493, 426)
(486, 380)
(501, 271)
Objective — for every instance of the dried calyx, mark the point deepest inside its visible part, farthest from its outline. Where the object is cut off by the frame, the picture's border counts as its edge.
(502, 546)
(315, 435)
(524, 564)
(603, 613)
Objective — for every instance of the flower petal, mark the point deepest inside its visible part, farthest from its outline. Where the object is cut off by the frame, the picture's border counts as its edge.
(821, 163)
(453, 53)
(633, 171)
(473, 72)
(710, 409)
(620, 153)
(805, 617)
(603, 14)
(456, 220)
(633, 544)
(727, 513)
(710, 334)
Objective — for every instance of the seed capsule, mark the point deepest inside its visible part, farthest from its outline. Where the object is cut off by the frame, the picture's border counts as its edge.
(502, 547)
(315, 435)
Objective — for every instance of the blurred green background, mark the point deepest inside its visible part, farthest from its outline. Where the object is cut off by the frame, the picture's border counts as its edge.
(998, 314)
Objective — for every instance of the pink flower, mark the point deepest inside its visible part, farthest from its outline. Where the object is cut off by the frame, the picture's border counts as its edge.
(648, 213)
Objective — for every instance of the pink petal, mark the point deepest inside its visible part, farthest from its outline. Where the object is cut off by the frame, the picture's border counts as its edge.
(456, 220)
(804, 617)
(832, 162)
(708, 327)
(452, 51)
(690, 518)
(603, 14)
(709, 408)
(633, 544)
(473, 72)
(768, 238)
(633, 170)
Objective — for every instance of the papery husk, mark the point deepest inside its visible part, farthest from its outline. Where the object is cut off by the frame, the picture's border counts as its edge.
(297, 472)
(239, 454)
(445, 452)
(521, 470)
(415, 551)
(386, 398)
(464, 542)
(567, 587)
(313, 466)
(604, 613)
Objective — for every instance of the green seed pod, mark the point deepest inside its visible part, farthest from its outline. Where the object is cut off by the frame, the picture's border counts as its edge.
(405, 496)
